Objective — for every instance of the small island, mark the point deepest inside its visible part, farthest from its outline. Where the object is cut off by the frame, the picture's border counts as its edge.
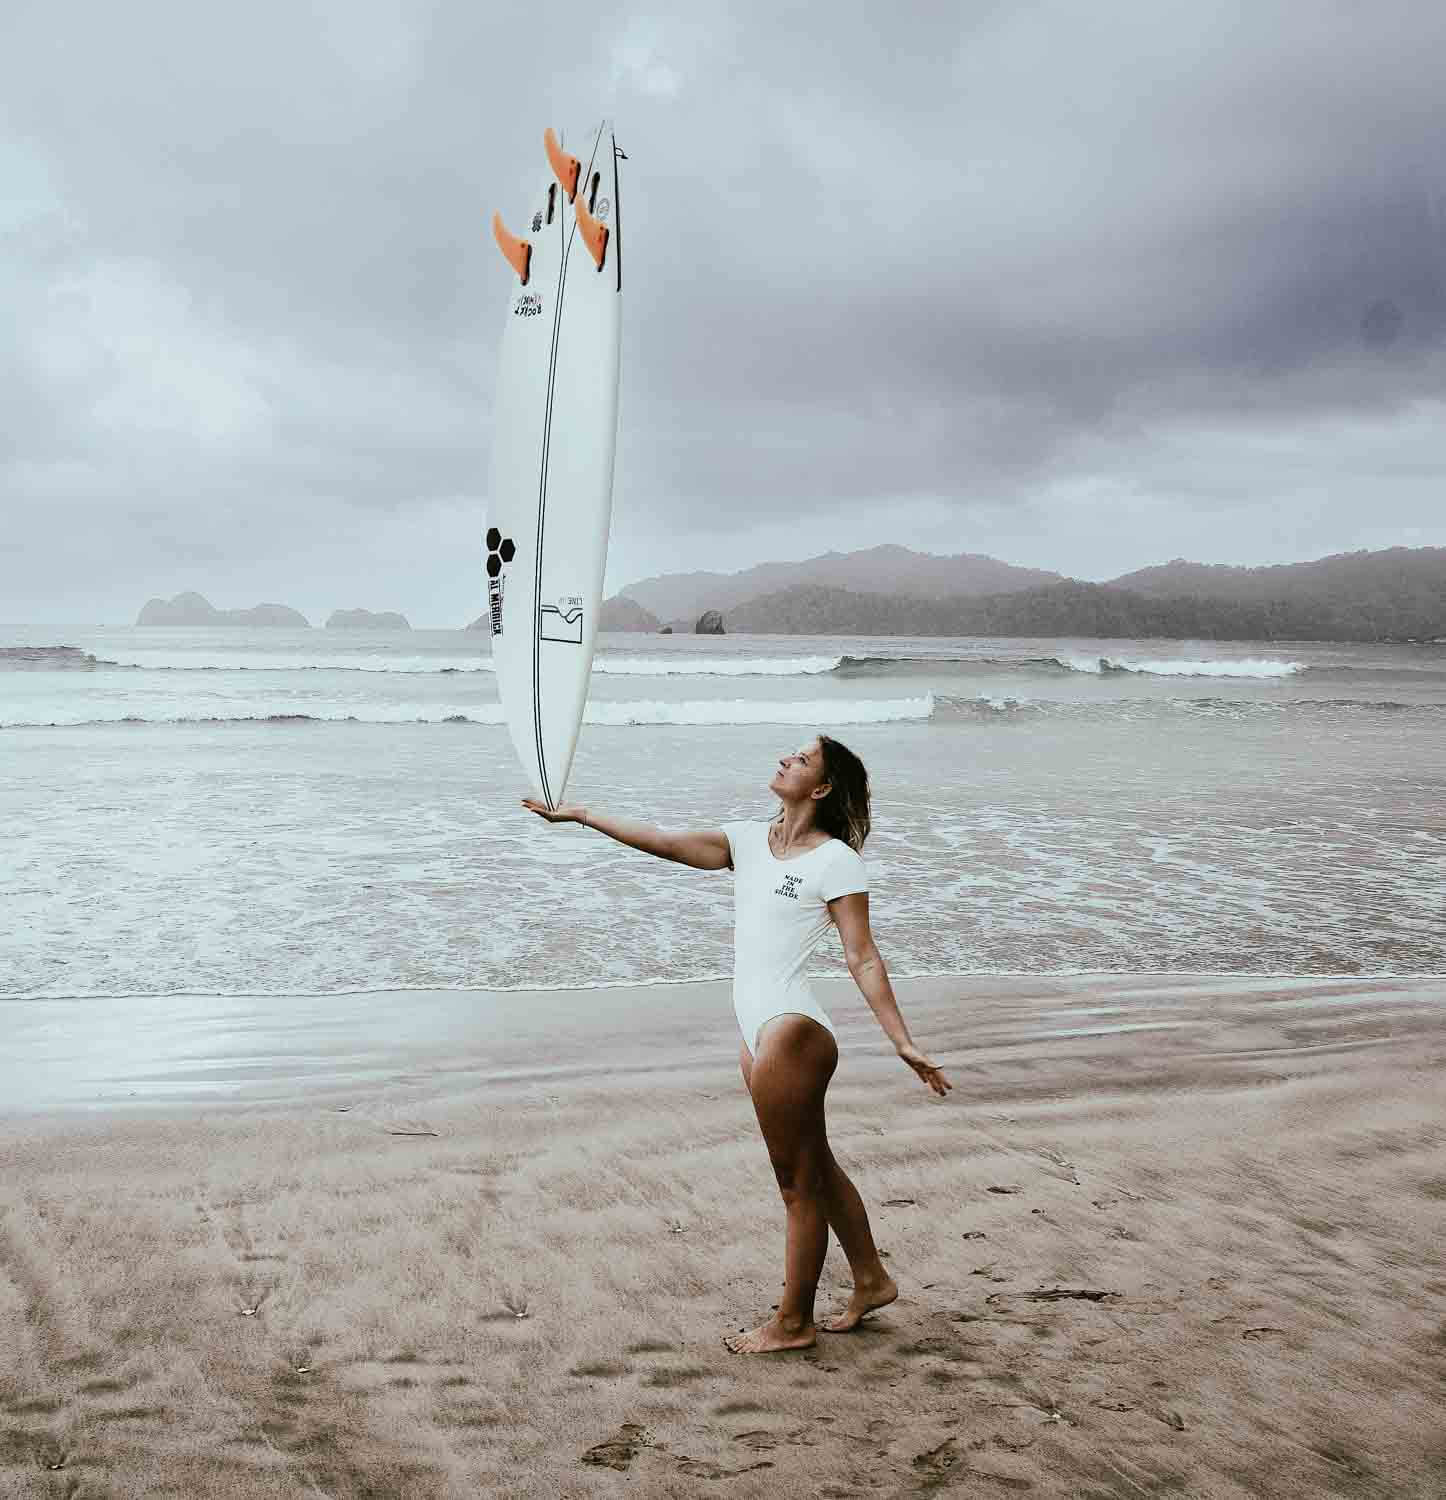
(367, 619)
(623, 614)
(193, 609)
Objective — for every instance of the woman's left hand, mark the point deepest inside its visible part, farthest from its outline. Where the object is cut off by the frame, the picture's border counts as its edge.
(926, 1070)
(569, 814)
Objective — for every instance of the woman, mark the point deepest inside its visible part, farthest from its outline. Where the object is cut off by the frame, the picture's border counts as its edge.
(795, 876)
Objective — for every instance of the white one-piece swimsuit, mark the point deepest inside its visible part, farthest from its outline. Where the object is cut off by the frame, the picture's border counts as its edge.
(780, 913)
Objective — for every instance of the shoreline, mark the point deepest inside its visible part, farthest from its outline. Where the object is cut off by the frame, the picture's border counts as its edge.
(274, 1051)
(1267, 976)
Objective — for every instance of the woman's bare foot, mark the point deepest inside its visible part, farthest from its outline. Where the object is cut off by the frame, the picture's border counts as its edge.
(771, 1338)
(867, 1296)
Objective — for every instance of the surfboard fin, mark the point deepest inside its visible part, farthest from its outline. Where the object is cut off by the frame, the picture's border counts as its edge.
(517, 251)
(564, 164)
(594, 233)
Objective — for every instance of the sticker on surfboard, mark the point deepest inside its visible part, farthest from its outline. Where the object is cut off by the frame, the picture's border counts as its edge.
(562, 622)
(500, 551)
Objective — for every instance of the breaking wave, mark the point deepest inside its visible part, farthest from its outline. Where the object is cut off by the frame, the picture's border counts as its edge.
(1064, 665)
(716, 666)
(50, 659)
(678, 665)
(902, 665)
(1254, 666)
(980, 709)
(264, 661)
(625, 713)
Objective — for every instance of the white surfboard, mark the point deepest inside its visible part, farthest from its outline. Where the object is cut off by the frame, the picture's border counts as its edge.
(551, 477)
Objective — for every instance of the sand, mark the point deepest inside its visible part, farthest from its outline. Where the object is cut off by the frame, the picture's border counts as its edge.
(1167, 1236)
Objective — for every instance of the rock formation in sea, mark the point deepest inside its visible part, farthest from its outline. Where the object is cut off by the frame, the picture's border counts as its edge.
(192, 609)
(184, 609)
(367, 619)
(266, 614)
(710, 622)
(622, 613)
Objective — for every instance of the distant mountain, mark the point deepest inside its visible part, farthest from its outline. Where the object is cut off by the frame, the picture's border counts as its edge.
(366, 619)
(1400, 579)
(1081, 609)
(193, 609)
(810, 609)
(1395, 594)
(886, 569)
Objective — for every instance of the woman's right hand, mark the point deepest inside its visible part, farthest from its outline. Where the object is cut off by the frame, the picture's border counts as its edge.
(926, 1070)
(572, 813)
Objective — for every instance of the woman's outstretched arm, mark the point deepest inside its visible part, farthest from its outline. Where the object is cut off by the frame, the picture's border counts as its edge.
(705, 849)
(866, 964)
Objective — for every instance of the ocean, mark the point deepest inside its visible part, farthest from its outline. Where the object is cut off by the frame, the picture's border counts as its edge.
(259, 811)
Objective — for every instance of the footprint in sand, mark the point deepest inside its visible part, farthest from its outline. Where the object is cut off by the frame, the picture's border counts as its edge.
(618, 1451)
(944, 1464)
(761, 1440)
(227, 1222)
(601, 1369)
(682, 1375)
(702, 1468)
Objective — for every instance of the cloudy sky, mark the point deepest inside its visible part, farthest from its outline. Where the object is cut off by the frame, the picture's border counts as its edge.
(1083, 287)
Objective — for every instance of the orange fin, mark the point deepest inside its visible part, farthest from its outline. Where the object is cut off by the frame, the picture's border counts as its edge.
(594, 233)
(517, 251)
(564, 164)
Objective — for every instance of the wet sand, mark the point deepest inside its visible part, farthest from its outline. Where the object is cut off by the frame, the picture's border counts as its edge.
(1167, 1236)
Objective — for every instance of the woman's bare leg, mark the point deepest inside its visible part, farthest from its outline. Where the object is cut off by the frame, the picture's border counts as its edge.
(849, 1220)
(789, 1075)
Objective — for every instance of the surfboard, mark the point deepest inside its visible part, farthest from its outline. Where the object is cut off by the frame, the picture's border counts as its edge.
(550, 478)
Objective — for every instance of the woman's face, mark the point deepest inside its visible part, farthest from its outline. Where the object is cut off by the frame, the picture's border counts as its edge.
(799, 774)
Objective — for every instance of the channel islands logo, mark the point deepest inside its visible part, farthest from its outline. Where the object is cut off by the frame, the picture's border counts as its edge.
(500, 549)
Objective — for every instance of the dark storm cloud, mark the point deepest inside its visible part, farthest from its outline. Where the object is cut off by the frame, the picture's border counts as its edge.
(974, 254)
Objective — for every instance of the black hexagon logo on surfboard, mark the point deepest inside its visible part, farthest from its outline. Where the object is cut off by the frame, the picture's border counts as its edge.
(500, 549)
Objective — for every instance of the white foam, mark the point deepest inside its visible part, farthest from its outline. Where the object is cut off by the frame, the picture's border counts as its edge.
(716, 666)
(1252, 666)
(736, 711)
(267, 661)
(696, 711)
(679, 665)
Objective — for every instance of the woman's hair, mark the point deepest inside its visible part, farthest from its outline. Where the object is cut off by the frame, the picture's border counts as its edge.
(844, 813)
